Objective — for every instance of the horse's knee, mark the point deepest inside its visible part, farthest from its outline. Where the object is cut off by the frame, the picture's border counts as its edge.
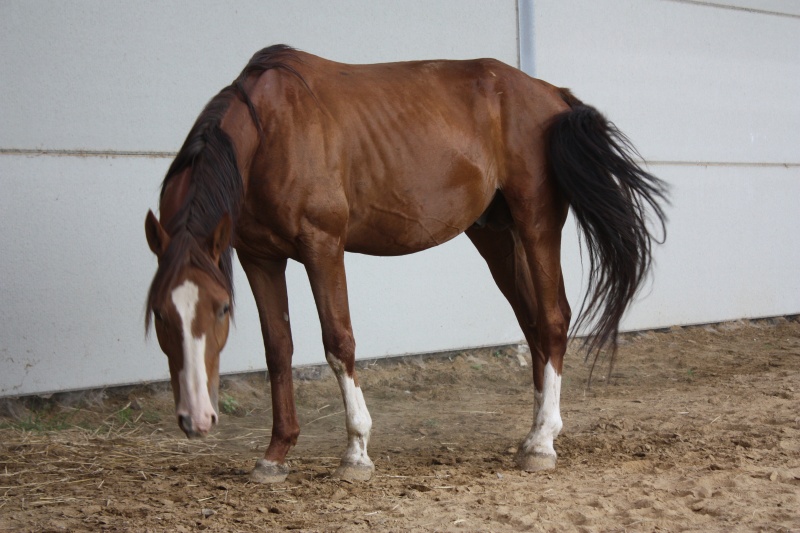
(279, 355)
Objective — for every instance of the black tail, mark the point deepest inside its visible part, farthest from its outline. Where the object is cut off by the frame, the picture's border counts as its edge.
(610, 194)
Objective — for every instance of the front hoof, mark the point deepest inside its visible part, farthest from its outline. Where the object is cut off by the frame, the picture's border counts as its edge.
(354, 472)
(269, 472)
(535, 462)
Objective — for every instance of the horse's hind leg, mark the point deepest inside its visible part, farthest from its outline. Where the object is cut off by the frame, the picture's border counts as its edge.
(509, 268)
(325, 267)
(539, 224)
(508, 262)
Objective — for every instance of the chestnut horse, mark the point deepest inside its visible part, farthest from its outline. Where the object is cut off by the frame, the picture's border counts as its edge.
(303, 158)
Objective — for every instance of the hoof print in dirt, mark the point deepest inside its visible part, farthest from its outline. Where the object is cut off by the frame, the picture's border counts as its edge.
(269, 472)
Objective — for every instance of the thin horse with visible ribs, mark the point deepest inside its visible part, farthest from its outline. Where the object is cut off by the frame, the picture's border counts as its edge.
(303, 158)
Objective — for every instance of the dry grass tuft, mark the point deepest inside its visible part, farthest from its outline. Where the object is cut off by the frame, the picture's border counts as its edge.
(48, 467)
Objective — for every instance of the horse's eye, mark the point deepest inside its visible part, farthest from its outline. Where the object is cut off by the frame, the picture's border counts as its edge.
(224, 310)
(158, 316)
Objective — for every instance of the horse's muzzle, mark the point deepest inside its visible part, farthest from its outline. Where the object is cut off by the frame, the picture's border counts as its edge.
(191, 430)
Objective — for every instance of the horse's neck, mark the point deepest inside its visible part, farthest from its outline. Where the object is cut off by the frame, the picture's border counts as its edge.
(174, 195)
(239, 126)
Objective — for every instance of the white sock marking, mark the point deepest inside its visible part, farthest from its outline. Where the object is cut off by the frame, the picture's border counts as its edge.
(546, 415)
(194, 399)
(359, 422)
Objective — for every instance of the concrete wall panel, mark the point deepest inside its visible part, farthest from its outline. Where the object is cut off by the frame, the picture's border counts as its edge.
(687, 82)
(133, 76)
(111, 78)
(707, 92)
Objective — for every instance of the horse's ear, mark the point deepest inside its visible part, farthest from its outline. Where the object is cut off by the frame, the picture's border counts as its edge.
(157, 237)
(220, 239)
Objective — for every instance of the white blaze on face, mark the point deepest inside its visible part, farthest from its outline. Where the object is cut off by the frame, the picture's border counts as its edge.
(194, 400)
(359, 422)
(546, 415)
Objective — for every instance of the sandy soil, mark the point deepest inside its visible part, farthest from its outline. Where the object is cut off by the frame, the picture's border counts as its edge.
(698, 430)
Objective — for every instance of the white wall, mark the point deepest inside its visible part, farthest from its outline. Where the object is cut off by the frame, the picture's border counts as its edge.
(95, 93)
(125, 81)
(133, 76)
(709, 96)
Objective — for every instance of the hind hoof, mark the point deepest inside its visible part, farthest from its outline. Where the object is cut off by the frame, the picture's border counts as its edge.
(535, 462)
(354, 472)
(269, 472)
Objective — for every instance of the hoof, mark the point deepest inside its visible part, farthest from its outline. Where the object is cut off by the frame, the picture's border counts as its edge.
(535, 462)
(269, 472)
(354, 472)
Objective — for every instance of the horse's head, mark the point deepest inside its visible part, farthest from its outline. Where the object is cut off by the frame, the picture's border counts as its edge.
(190, 302)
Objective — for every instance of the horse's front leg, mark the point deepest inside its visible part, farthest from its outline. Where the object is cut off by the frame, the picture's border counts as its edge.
(268, 282)
(325, 267)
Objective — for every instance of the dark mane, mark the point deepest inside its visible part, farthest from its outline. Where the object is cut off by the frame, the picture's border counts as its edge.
(216, 185)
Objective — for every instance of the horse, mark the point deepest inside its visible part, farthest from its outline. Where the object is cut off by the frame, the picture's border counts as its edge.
(303, 158)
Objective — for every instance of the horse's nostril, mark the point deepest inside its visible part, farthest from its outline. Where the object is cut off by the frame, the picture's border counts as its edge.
(214, 419)
(185, 422)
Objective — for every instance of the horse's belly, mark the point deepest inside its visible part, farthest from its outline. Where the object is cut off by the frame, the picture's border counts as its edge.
(400, 238)
(404, 221)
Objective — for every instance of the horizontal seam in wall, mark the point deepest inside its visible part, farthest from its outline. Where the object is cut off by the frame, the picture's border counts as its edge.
(720, 164)
(165, 155)
(738, 8)
(86, 153)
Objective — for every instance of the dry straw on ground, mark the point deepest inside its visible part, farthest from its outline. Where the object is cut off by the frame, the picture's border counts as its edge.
(698, 430)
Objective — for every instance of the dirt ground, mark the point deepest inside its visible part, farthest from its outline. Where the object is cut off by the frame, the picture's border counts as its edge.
(698, 430)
